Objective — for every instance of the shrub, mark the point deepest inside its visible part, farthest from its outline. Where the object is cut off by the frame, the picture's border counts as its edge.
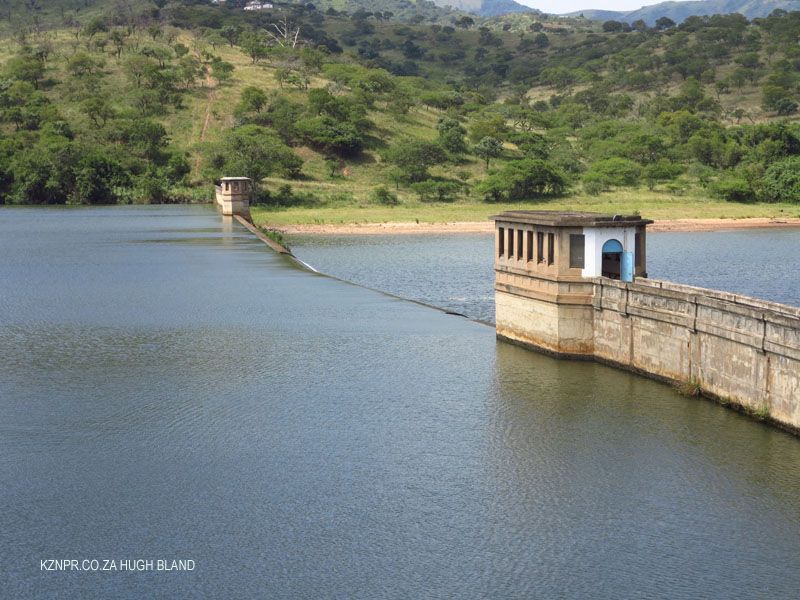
(326, 133)
(592, 186)
(781, 182)
(614, 171)
(733, 188)
(436, 191)
(522, 180)
(663, 170)
(414, 158)
(785, 107)
(276, 236)
(286, 196)
(382, 195)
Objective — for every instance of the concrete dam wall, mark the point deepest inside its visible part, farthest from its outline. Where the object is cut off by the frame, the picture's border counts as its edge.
(737, 349)
(732, 347)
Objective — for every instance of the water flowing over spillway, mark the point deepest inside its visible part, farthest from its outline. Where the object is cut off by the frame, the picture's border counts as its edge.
(172, 389)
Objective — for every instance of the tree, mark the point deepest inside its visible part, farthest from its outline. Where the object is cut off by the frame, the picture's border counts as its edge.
(96, 178)
(94, 26)
(664, 23)
(523, 180)
(255, 152)
(489, 126)
(488, 148)
(253, 45)
(117, 37)
(781, 182)
(733, 188)
(663, 170)
(465, 22)
(282, 75)
(414, 158)
(612, 26)
(382, 195)
(286, 35)
(451, 135)
(436, 191)
(615, 171)
(540, 40)
(785, 107)
(252, 100)
(137, 65)
(230, 33)
(80, 64)
(221, 70)
(331, 135)
(155, 31)
(189, 70)
(25, 68)
(98, 110)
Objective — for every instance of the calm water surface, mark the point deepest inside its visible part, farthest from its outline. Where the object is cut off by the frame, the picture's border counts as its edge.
(456, 271)
(170, 388)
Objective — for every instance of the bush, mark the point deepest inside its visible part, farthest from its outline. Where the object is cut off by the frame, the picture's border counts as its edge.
(785, 107)
(593, 187)
(414, 158)
(153, 189)
(436, 191)
(523, 180)
(733, 188)
(781, 182)
(663, 170)
(252, 151)
(614, 171)
(326, 133)
(382, 195)
(286, 196)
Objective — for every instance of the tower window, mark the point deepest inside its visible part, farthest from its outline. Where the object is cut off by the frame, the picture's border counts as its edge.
(551, 248)
(530, 246)
(501, 242)
(577, 243)
(540, 246)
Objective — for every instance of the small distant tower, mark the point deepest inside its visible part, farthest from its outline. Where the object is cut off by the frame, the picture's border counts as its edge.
(545, 265)
(233, 196)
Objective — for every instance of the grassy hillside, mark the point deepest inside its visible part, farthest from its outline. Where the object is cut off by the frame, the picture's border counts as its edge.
(357, 117)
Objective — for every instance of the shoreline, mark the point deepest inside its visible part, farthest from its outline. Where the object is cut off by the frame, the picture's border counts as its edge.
(413, 228)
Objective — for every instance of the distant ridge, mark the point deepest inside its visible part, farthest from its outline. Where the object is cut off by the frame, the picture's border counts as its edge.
(680, 11)
(487, 8)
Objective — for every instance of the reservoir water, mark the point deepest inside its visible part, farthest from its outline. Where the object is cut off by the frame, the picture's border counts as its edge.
(171, 389)
(456, 271)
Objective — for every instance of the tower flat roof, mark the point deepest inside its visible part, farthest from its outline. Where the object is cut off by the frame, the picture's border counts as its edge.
(234, 179)
(564, 218)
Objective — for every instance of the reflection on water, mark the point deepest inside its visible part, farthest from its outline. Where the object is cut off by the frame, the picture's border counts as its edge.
(456, 271)
(299, 437)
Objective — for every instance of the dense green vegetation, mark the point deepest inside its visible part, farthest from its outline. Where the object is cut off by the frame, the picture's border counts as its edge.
(148, 102)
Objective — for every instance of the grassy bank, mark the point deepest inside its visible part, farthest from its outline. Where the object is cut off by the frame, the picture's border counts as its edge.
(654, 205)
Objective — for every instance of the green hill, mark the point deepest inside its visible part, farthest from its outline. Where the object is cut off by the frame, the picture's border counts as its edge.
(332, 112)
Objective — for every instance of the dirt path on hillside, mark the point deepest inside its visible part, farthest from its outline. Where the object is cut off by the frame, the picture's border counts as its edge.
(212, 95)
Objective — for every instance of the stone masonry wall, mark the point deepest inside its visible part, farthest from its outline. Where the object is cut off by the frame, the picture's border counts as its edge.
(742, 350)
